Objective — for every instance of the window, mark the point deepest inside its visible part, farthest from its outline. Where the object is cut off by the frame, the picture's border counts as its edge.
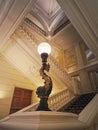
(86, 53)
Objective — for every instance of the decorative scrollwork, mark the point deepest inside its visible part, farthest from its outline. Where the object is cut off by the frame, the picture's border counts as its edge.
(43, 92)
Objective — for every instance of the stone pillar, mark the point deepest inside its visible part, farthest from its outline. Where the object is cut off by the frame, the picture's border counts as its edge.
(85, 82)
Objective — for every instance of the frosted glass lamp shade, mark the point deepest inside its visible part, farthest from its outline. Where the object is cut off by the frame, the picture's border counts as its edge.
(44, 48)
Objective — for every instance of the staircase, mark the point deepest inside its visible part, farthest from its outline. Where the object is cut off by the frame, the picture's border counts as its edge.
(78, 104)
(41, 120)
(61, 72)
(55, 102)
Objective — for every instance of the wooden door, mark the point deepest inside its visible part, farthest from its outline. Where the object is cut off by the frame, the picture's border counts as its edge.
(21, 99)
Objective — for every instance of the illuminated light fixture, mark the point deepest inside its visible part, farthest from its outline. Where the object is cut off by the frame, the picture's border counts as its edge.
(44, 49)
(43, 92)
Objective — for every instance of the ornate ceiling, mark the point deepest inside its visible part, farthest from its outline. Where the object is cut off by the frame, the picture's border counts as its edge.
(47, 17)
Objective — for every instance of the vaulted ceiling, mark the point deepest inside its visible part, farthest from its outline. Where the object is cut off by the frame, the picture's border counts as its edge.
(48, 16)
(26, 23)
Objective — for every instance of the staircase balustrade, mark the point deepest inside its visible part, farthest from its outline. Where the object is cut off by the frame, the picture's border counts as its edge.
(62, 73)
(58, 100)
(55, 101)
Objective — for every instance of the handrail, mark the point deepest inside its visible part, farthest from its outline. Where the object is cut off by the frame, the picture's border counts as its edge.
(58, 100)
(55, 101)
(63, 74)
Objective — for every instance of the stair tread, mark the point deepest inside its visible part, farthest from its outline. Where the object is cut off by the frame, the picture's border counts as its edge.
(79, 103)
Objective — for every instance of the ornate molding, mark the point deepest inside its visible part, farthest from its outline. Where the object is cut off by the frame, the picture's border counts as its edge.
(13, 18)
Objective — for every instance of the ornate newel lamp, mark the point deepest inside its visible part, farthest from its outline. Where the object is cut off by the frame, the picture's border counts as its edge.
(43, 92)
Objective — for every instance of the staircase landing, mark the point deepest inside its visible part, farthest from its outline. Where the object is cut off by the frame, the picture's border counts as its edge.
(42, 120)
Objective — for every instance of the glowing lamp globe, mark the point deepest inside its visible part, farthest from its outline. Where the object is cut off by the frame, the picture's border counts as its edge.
(44, 48)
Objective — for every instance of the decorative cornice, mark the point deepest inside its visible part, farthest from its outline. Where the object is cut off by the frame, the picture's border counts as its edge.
(31, 23)
(13, 18)
(27, 35)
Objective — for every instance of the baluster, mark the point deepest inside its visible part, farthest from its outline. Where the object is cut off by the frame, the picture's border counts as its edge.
(55, 101)
(63, 73)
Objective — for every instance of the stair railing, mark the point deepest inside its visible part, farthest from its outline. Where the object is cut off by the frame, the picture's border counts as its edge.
(58, 100)
(62, 73)
(55, 101)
